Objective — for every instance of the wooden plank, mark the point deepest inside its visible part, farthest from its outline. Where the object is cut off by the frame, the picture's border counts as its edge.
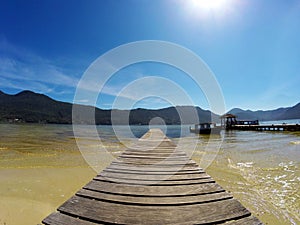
(151, 149)
(139, 157)
(115, 170)
(163, 161)
(154, 168)
(62, 219)
(157, 178)
(213, 212)
(139, 190)
(154, 183)
(245, 221)
(153, 157)
(164, 164)
(193, 176)
(147, 144)
(143, 151)
(150, 200)
(157, 154)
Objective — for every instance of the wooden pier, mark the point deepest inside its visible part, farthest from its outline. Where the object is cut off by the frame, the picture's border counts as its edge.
(152, 183)
(230, 122)
(271, 127)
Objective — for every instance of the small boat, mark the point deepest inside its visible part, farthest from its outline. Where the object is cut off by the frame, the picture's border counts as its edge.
(206, 128)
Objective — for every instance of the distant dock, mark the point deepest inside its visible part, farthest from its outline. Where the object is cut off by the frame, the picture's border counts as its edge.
(152, 182)
(229, 122)
(272, 127)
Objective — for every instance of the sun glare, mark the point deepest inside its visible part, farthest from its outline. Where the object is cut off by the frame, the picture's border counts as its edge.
(208, 9)
(207, 4)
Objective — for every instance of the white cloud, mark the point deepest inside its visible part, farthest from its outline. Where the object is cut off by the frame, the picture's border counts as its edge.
(151, 90)
(18, 84)
(22, 69)
(83, 101)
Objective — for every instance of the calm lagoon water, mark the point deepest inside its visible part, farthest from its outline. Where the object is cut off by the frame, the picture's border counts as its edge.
(41, 167)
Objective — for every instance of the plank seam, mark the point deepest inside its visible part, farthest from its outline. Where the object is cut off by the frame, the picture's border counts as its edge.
(141, 173)
(152, 204)
(154, 196)
(160, 184)
(188, 179)
(87, 218)
(171, 171)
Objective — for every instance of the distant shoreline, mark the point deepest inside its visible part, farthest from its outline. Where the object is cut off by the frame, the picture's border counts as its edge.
(289, 121)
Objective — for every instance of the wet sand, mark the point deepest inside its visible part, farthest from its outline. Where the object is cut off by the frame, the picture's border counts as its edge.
(29, 195)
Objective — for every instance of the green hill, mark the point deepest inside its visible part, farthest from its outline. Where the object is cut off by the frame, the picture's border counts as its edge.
(30, 107)
(268, 115)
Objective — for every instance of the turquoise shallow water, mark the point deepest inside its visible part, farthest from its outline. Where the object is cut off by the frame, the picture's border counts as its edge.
(261, 169)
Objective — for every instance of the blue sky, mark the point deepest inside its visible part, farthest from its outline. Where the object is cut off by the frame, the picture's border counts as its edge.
(252, 46)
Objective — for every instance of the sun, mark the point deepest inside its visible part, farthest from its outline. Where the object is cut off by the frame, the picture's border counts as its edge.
(217, 10)
(208, 4)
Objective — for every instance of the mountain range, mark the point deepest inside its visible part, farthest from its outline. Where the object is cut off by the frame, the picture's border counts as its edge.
(30, 107)
(268, 115)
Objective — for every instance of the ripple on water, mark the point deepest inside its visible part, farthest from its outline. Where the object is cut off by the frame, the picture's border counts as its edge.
(278, 186)
(295, 142)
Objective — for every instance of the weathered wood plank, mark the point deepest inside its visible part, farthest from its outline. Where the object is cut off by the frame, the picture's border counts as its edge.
(251, 220)
(154, 151)
(163, 161)
(139, 190)
(150, 144)
(62, 219)
(170, 157)
(154, 176)
(212, 212)
(157, 164)
(154, 183)
(150, 200)
(151, 149)
(152, 155)
(115, 170)
(157, 178)
(154, 168)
